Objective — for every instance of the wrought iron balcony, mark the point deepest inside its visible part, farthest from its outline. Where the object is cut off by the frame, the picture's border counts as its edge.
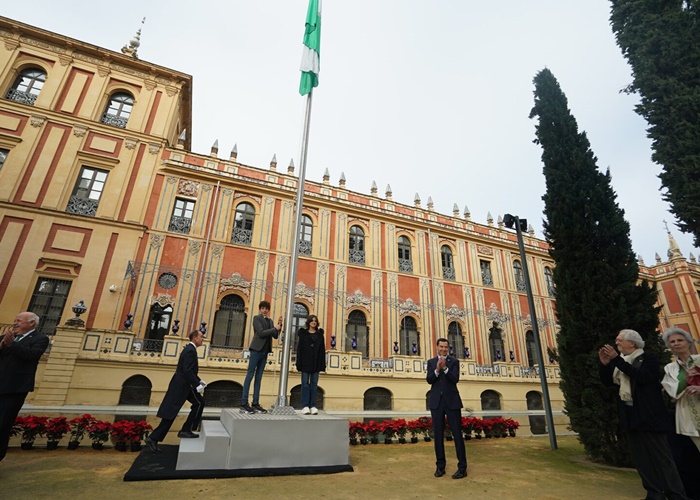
(486, 278)
(114, 120)
(304, 248)
(21, 96)
(242, 236)
(405, 265)
(356, 257)
(82, 206)
(448, 273)
(180, 225)
(520, 284)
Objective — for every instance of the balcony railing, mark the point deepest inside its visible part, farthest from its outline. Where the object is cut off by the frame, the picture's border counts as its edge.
(180, 225)
(405, 265)
(356, 257)
(21, 96)
(448, 273)
(304, 248)
(82, 206)
(114, 120)
(242, 236)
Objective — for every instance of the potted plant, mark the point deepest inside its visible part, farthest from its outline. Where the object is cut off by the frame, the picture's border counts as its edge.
(353, 430)
(427, 425)
(98, 432)
(478, 427)
(78, 427)
(56, 428)
(122, 431)
(401, 429)
(30, 427)
(498, 427)
(362, 432)
(512, 426)
(487, 427)
(467, 427)
(415, 428)
(388, 428)
(372, 429)
(141, 429)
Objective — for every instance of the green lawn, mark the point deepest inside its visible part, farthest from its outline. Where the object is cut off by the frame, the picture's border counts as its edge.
(509, 468)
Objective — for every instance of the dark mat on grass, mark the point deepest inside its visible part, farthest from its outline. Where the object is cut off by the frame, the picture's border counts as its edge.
(150, 466)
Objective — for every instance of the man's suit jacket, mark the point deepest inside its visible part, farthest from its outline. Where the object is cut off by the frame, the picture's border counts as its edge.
(648, 412)
(444, 385)
(184, 380)
(263, 329)
(18, 363)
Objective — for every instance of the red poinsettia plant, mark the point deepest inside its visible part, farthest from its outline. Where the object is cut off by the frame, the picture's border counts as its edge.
(99, 431)
(124, 431)
(79, 426)
(29, 427)
(56, 428)
(372, 429)
(415, 427)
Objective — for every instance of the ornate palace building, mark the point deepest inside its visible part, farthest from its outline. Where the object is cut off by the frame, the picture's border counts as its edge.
(102, 201)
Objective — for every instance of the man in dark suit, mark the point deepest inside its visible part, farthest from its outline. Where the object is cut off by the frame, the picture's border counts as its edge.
(642, 414)
(261, 345)
(184, 386)
(444, 401)
(20, 351)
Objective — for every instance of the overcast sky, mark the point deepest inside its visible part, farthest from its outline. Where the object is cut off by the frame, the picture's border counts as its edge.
(429, 97)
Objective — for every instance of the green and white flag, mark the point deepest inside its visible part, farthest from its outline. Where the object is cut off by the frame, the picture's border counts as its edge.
(311, 56)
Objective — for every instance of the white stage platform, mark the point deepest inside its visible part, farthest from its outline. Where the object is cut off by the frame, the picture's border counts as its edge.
(262, 441)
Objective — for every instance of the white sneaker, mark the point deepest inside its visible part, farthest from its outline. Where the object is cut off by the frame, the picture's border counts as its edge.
(305, 410)
(314, 410)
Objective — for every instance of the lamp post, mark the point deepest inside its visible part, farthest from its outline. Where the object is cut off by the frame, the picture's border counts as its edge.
(521, 225)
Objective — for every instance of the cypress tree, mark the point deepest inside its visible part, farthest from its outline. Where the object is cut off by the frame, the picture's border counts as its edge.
(595, 274)
(661, 41)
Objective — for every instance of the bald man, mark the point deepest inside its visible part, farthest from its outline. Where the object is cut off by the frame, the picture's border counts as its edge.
(20, 350)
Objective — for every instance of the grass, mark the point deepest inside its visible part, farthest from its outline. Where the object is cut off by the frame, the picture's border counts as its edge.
(512, 468)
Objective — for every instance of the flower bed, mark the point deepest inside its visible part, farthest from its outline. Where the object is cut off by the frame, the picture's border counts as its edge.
(498, 427)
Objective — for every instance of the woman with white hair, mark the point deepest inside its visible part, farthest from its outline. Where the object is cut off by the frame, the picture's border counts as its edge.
(682, 382)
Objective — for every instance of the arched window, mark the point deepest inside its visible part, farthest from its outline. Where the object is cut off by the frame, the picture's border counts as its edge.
(448, 268)
(118, 110)
(537, 422)
(158, 327)
(223, 394)
(295, 398)
(456, 340)
(27, 86)
(404, 248)
(356, 333)
(305, 235)
(301, 312)
(377, 399)
(136, 391)
(519, 276)
(243, 225)
(549, 281)
(356, 245)
(530, 348)
(496, 344)
(410, 338)
(490, 401)
(229, 323)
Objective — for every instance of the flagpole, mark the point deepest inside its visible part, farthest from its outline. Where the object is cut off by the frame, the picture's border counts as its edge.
(281, 406)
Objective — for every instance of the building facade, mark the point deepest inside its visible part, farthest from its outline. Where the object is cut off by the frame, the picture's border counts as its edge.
(102, 200)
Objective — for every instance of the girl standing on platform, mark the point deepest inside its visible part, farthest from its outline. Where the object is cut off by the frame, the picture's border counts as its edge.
(311, 360)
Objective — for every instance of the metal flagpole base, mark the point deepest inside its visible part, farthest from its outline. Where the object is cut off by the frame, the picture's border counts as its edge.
(281, 407)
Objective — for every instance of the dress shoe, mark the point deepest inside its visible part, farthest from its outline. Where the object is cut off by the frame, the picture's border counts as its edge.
(439, 472)
(460, 474)
(187, 434)
(152, 445)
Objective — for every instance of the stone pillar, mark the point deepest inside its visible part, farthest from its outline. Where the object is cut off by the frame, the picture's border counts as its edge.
(52, 389)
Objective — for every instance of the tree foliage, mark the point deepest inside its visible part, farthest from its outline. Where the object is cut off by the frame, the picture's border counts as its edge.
(661, 41)
(596, 273)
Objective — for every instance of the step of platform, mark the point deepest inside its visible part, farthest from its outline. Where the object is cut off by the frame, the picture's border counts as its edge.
(208, 451)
